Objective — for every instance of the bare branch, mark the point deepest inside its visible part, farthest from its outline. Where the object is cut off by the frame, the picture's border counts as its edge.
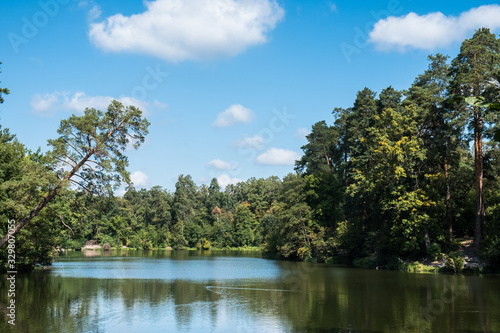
(84, 179)
(61, 160)
(72, 160)
(84, 187)
(74, 148)
(99, 164)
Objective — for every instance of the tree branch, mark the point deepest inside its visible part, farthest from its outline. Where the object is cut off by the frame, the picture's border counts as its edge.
(67, 226)
(61, 160)
(88, 190)
(74, 148)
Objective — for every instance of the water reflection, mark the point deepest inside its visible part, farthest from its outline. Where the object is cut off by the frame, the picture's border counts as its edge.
(184, 292)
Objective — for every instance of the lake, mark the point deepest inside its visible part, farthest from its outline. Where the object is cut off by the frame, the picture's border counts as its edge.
(226, 291)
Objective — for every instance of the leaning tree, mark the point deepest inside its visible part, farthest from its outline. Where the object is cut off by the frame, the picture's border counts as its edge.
(89, 153)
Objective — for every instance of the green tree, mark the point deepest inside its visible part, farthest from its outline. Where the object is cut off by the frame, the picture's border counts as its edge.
(244, 225)
(386, 172)
(429, 93)
(294, 232)
(473, 71)
(319, 151)
(22, 177)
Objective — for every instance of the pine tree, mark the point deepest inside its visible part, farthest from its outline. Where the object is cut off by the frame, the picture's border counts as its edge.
(472, 72)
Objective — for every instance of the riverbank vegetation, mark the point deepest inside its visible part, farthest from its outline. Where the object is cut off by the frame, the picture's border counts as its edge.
(398, 177)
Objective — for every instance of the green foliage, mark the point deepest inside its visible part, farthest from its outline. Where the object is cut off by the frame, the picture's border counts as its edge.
(434, 251)
(455, 262)
(203, 244)
(491, 250)
(244, 226)
(366, 262)
(417, 267)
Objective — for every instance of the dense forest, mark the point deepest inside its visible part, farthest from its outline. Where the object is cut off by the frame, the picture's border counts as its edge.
(400, 175)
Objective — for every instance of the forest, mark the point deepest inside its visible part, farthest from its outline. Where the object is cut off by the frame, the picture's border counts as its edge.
(398, 176)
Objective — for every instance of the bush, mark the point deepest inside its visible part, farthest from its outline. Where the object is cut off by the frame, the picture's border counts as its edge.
(455, 262)
(395, 264)
(135, 242)
(434, 251)
(147, 245)
(203, 244)
(366, 262)
(490, 250)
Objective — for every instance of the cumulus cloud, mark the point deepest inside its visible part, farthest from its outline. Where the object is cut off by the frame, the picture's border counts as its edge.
(276, 156)
(255, 142)
(140, 179)
(47, 104)
(44, 104)
(225, 180)
(177, 30)
(235, 114)
(221, 165)
(432, 30)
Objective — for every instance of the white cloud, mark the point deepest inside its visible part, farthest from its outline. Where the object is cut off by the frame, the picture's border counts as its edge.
(177, 30)
(44, 105)
(221, 165)
(225, 180)
(301, 133)
(140, 179)
(94, 13)
(432, 30)
(235, 114)
(255, 142)
(276, 156)
(47, 104)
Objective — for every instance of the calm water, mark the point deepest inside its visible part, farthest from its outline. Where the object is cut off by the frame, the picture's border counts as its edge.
(191, 291)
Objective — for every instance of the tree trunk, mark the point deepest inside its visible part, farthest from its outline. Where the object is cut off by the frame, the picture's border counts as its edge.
(478, 150)
(427, 241)
(449, 217)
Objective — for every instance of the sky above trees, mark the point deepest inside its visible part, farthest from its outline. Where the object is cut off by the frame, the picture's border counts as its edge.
(231, 88)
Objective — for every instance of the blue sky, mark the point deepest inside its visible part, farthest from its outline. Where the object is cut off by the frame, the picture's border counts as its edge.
(231, 87)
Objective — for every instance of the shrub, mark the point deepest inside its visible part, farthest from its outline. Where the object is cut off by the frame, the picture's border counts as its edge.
(490, 250)
(366, 262)
(455, 262)
(434, 251)
(203, 244)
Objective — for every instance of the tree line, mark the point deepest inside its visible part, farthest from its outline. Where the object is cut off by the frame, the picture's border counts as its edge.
(400, 175)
